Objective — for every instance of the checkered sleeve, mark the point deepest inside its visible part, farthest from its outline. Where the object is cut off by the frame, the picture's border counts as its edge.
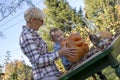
(36, 52)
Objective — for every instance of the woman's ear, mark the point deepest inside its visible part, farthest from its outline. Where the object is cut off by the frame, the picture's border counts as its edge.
(31, 21)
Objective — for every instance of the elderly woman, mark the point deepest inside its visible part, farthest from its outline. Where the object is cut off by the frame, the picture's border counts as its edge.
(36, 50)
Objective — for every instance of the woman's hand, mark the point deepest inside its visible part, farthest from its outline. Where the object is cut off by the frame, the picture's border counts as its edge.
(68, 51)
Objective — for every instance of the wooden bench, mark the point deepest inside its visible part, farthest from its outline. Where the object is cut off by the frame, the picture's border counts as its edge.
(96, 63)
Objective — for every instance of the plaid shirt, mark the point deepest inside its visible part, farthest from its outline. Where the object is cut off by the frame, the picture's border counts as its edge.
(36, 50)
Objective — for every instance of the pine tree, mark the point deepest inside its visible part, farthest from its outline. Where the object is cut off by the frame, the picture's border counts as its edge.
(61, 15)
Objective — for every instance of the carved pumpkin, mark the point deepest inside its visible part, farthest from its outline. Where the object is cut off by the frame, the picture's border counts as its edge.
(76, 41)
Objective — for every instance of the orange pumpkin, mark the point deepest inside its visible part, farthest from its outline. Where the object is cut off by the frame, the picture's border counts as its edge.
(76, 41)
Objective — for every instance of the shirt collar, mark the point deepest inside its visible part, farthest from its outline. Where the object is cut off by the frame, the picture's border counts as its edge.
(58, 43)
(28, 29)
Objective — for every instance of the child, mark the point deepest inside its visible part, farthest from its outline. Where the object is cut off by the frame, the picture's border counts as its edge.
(57, 36)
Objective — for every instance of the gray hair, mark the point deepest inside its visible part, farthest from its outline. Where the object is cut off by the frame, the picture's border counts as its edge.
(33, 13)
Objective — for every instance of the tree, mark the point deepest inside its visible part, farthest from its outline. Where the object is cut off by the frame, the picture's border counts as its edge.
(61, 15)
(17, 70)
(1, 68)
(7, 7)
(103, 13)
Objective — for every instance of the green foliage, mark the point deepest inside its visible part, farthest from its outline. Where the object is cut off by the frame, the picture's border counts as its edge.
(17, 70)
(60, 14)
(104, 13)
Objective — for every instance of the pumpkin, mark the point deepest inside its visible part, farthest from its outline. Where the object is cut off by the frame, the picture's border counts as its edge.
(76, 41)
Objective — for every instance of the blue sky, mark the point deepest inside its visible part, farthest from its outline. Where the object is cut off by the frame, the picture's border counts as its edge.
(11, 27)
